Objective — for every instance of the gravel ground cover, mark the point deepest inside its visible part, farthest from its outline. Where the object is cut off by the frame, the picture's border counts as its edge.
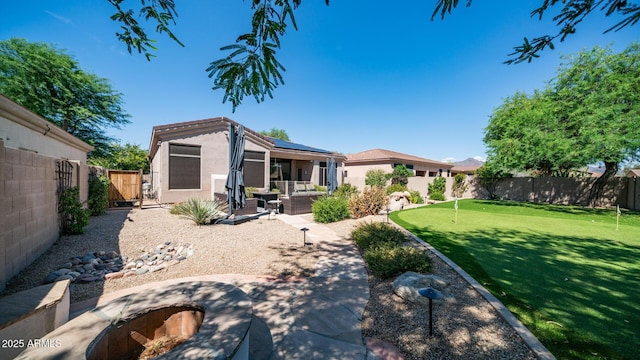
(465, 329)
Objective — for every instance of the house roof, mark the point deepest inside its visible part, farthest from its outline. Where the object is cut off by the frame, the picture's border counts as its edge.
(191, 128)
(389, 156)
(633, 172)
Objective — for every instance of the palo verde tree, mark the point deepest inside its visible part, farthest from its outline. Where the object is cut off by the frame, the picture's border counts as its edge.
(51, 83)
(250, 67)
(599, 94)
(588, 114)
(525, 133)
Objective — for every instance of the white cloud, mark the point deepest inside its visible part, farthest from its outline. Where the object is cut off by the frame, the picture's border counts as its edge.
(480, 158)
(449, 160)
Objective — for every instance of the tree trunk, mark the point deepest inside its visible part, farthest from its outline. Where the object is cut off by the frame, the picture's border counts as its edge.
(597, 189)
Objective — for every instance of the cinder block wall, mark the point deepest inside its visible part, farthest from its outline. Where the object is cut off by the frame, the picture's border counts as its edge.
(28, 210)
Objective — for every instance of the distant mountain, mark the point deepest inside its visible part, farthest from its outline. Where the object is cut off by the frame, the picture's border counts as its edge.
(469, 162)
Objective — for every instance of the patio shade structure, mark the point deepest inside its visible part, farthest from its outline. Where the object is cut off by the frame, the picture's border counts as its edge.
(332, 176)
(235, 179)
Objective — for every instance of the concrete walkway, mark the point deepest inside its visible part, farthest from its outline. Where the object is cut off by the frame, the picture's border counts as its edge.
(318, 318)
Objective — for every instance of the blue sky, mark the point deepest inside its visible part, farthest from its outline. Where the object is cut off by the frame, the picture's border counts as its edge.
(360, 74)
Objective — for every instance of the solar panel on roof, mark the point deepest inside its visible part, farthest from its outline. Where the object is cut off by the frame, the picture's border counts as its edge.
(282, 144)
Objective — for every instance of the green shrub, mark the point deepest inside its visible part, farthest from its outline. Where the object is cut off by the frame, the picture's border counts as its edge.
(74, 217)
(376, 178)
(370, 202)
(400, 175)
(98, 200)
(320, 188)
(416, 197)
(459, 185)
(396, 188)
(200, 211)
(328, 209)
(376, 234)
(437, 189)
(388, 261)
(249, 190)
(346, 191)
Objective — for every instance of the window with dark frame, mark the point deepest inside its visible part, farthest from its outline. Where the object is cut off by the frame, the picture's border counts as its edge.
(254, 169)
(184, 166)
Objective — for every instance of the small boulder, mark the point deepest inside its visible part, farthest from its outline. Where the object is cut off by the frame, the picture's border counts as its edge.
(407, 285)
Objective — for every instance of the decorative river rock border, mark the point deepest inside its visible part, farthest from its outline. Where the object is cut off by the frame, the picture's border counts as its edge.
(102, 265)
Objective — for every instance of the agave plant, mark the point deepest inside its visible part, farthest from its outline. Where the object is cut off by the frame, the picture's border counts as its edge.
(200, 211)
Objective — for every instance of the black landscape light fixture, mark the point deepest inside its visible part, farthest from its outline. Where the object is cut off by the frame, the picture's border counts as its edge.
(304, 236)
(431, 294)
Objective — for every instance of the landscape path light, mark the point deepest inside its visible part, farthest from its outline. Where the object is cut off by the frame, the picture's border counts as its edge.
(304, 236)
(431, 294)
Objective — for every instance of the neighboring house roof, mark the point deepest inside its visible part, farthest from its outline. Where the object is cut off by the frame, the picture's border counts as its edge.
(378, 156)
(633, 172)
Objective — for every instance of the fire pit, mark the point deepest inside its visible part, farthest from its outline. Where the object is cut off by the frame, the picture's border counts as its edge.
(214, 318)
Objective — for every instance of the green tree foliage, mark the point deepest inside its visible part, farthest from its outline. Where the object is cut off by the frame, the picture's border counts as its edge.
(600, 96)
(73, 217)
(524, 134)
(489, 175)
(459, 185)
(123, 157)
(400, 175)
(98, 200)
(589, 113)
(251, 67)
(51, 83)
(276, 133)
(569, 15)
(376, 178)
(437, 189)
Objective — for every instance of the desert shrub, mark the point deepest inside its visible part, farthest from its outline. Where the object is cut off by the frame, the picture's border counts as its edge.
(320, 188)
(200, 211)
(389, 261)
(376, 234)
(396, 188)
(376, 178)
(370, 202)
(249, 190)
(459, 185)
(74, 218)
(98, 200)
(328, 209)
(416, 197)
(437, 189)
(400, 175)
(346, 191)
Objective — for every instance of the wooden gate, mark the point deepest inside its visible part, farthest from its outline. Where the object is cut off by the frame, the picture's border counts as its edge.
(126, 186)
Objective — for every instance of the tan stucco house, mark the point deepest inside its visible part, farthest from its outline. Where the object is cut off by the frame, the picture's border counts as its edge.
(191, 159)
(357, 165)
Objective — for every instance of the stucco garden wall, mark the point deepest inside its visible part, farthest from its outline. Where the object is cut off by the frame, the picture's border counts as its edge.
(29, 149)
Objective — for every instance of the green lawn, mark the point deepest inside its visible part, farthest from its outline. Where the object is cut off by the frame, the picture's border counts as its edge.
(565, 272)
